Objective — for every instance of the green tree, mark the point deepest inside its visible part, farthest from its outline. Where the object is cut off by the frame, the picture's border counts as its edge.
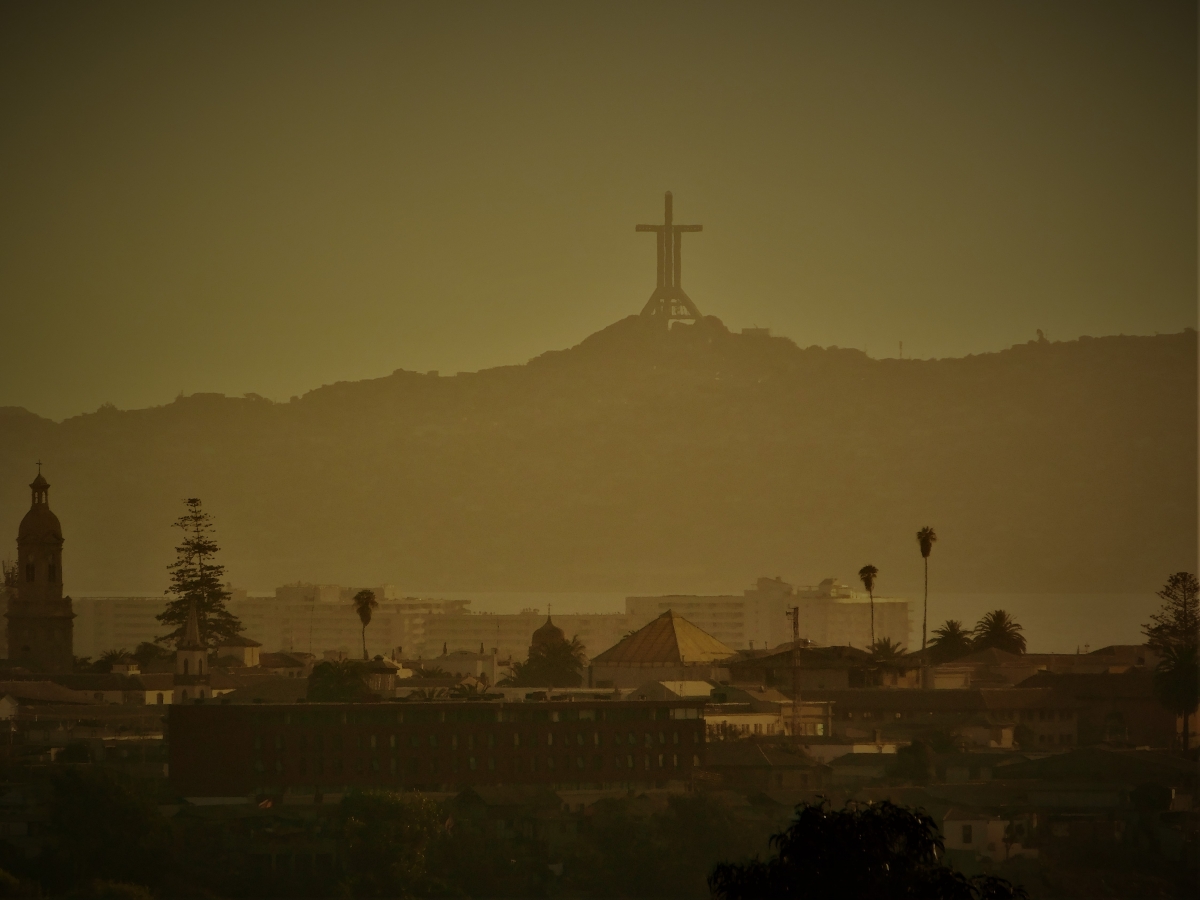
(1174, 634)
(431, 672)
(1177, 685)
(552, 664)
(999, 630)
(926, 538)
(147, 653)
(868, 574)
(1177, 623)
(108, 659)
(196, 577)
(364, 604)
(101, 826)
(914, 764)
(950, 641)
(385, 842)
(341, 681)
(887, 652)
(875, 850)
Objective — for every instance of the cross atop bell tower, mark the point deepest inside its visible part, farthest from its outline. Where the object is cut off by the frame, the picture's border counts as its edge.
(668, 302)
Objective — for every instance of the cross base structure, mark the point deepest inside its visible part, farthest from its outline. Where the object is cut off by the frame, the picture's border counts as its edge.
(669, 303)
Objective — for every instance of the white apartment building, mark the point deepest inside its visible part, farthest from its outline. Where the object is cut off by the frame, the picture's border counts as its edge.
(309, 618)
(830, 614)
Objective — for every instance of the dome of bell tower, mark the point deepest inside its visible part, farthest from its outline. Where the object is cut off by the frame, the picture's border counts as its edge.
(40, 523)
(549, 633)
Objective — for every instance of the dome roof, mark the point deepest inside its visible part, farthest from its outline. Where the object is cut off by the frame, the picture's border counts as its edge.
(39, 523)
(548, 634)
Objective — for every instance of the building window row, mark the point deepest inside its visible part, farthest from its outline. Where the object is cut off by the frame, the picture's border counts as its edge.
(413, 767)
(472, 741)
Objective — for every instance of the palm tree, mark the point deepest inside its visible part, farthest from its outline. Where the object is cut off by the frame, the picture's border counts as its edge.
(431, 672)
(926, 538)
(364, 603)
(998, 629)
(885, 652)
(868, 574)
(950, 641)
(1177, 684)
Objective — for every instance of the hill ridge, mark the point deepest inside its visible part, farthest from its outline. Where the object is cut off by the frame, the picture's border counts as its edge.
(645, 460)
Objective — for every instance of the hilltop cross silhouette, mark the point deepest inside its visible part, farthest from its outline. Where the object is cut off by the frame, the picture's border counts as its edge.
(669, 302)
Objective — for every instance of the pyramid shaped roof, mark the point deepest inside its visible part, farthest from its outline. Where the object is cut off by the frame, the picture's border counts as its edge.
(668, 640)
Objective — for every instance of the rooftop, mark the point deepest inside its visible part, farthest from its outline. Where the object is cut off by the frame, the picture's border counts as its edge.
(668, 640)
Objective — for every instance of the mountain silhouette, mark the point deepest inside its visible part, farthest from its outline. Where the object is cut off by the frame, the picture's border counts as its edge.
(644, 459)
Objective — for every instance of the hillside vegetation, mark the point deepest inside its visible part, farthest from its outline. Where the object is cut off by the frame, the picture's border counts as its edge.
(648, 460)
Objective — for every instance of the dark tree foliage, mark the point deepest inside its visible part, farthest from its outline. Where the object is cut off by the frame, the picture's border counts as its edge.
(664, 855)
(1174, 634)
(886, 653)
(914, 763)
(553, 664)
(999, 630)
(364, 604)
(100, 889)
(102, 828)
(196, 577)
(950, 641)
(1177, 623)
(386, 839)
(147, 653)
(1177, 684)
(926, 538)
(431, 672)
(880, 851)
(341, 681)
(868, 575)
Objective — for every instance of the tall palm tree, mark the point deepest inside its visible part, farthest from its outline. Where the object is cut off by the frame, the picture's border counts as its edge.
(926, 538)
(868, 574)
(950, 641)
(364, 603)
(999, 630)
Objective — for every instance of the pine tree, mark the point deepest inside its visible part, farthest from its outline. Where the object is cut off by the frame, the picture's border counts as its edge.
(1177, 624)
(196, 576)
(1174, 634)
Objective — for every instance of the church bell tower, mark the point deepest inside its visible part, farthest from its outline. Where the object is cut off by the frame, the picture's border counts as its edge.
(40, 630)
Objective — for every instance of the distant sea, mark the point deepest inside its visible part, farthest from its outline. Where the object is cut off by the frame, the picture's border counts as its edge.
(1052, 623)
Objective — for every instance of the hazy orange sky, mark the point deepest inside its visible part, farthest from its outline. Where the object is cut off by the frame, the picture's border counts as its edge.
(267, 197)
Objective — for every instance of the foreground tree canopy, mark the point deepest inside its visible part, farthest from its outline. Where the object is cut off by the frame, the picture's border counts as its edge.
(880, 851)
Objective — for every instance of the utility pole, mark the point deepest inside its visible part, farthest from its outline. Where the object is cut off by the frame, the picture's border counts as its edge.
(794, 613)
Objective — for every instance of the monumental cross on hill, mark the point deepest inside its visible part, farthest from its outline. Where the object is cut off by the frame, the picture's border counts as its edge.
(669, 302)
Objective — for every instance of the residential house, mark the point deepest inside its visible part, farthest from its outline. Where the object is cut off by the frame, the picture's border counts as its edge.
(985, 717)
(1114, 708)
(239, 651)
(757, 766)
(821, 668)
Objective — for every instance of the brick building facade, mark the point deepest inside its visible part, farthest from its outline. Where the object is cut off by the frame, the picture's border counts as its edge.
(309, 751)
